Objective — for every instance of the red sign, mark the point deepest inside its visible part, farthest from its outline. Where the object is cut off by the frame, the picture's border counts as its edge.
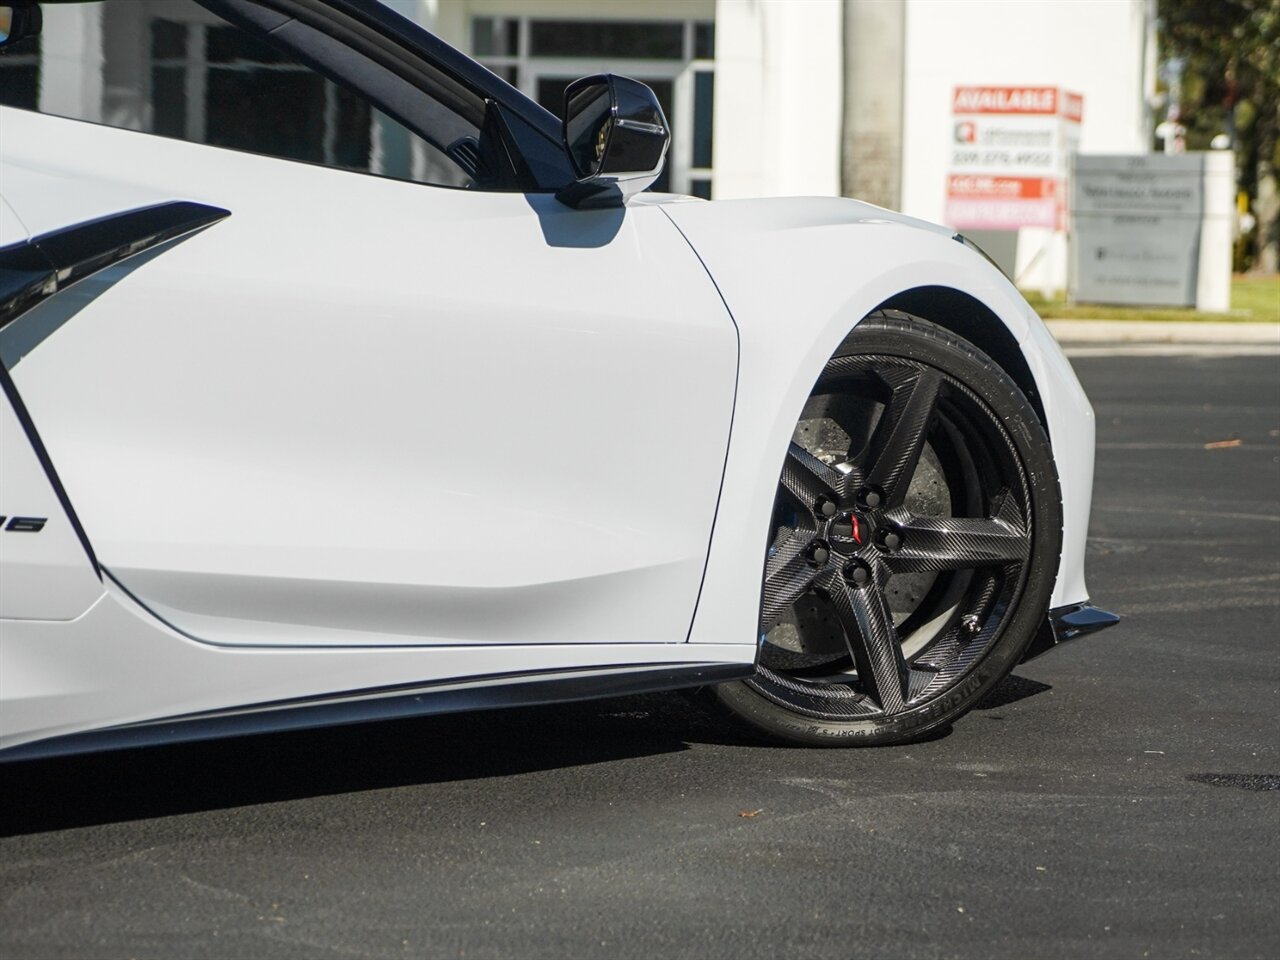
(1073, 106)
(1009, 150)
(1042, 100)
(1007, 188)
(980, 202)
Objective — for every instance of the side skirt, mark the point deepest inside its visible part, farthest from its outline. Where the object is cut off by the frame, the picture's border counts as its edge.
(385, 703)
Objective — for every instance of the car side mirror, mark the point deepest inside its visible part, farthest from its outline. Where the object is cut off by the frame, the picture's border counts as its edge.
(616, 136)
(18, 21)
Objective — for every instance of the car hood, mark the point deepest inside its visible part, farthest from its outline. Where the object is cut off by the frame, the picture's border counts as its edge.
(787, 213)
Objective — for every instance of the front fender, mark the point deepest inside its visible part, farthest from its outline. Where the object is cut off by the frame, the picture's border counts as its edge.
(797, 275)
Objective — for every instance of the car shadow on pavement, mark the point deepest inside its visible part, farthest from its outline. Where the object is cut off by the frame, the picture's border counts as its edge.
(1010, 690)
(136, 784)
(139, 784)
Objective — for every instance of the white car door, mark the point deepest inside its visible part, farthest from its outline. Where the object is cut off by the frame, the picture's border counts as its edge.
(359, 410)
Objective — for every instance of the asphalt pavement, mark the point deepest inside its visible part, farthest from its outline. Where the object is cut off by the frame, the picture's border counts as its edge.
(1119, 797)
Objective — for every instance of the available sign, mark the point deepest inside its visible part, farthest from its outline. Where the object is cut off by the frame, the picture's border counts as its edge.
(1009, 154)
(1007, 100)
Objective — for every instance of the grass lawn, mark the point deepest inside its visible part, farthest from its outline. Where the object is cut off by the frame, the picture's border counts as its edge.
(1252, 299)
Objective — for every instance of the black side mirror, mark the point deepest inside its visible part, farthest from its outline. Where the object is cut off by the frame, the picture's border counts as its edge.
(616, 136)
(18, 21)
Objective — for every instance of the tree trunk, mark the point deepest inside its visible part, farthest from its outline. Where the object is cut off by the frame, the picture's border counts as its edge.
(1267, 206)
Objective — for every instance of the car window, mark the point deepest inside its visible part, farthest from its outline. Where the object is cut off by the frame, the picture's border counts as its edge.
(173, 68)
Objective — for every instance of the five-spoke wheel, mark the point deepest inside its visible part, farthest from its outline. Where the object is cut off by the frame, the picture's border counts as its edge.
(914, 542)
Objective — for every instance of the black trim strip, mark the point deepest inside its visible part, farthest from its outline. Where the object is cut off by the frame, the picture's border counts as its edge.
(486, 692)
(398, 39)
(26, 278)
(1068, 623)
(411, 75)
(1080, 619)
(36, 269)
(24, 418)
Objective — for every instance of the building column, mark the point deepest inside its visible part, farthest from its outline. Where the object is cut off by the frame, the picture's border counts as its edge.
(777, 98)
(72, 38)
(871, 141)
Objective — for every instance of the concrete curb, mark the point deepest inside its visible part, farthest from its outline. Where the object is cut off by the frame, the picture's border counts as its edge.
(1141, 331)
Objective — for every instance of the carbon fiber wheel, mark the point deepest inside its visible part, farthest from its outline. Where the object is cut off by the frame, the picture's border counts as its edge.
(914, 543)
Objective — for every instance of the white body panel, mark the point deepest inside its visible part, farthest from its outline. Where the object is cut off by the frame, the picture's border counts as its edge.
(116, 665)
(300, 426)
(841, 259)
(12, 230)
(339, 457)
(45, 574)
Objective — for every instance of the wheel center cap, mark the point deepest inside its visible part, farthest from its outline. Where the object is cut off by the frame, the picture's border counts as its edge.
(847, 532)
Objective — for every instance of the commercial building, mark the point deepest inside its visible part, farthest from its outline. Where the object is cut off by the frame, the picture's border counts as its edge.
(785, 97)
(765, 97)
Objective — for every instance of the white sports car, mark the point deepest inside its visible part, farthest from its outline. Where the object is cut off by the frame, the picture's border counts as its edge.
(343, 381)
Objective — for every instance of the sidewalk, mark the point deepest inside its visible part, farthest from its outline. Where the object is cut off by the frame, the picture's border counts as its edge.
(1152, 332)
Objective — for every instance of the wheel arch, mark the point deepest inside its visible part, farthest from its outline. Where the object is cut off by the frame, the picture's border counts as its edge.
(968, 317)
(797, 275)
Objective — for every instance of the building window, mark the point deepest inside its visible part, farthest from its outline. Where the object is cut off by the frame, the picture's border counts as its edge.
(495, 37)
(704, 41)
(20, 74)
(169, 67)
(220, 86)
(611, 39)
(675, 58)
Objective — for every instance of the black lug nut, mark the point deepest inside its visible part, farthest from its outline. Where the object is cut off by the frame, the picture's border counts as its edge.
(857, 573)
(819, 553)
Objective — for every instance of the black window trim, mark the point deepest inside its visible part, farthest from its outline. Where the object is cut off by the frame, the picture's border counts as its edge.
(420, 63)
(380, 35)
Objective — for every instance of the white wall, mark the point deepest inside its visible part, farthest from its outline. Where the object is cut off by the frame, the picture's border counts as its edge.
(73, 37)
(1091, 47)
(778, 98)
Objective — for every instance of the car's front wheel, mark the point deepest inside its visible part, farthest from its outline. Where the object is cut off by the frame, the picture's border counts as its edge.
(914, 543)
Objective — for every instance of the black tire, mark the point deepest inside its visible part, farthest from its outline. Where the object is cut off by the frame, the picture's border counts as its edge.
(914, 546)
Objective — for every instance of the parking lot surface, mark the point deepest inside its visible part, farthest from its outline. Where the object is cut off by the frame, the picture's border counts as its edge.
(1119, 797)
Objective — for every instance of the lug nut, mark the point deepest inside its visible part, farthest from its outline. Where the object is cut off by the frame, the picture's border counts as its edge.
(871, 497)
(827, 507)
(819, 553)
(857, 573)
(891, 540)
